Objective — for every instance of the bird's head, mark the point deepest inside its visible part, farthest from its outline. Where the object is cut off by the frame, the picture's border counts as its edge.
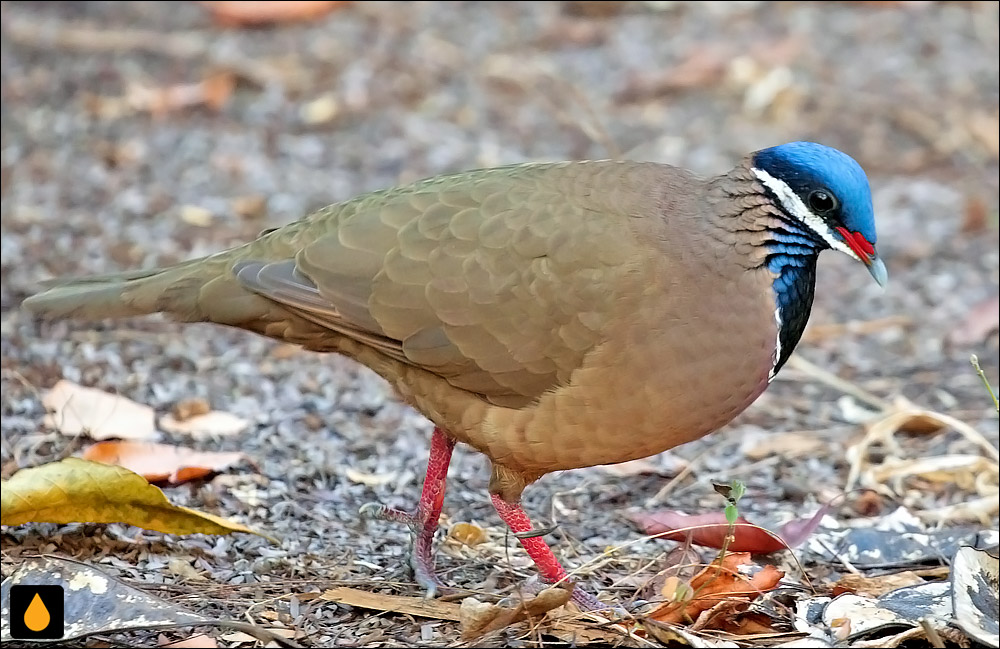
(827, 192)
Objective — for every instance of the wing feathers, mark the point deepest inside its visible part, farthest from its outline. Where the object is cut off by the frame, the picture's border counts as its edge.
(497, 280)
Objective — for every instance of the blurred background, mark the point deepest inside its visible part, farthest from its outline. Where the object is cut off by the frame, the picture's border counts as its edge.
(144, 133)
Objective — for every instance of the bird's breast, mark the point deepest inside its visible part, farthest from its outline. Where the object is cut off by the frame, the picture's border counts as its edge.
(690, 350)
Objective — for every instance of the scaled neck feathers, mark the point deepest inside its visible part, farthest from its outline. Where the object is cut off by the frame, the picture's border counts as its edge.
(752, 221)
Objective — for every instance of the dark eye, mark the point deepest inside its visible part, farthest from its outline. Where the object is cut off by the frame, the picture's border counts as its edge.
(822, 201)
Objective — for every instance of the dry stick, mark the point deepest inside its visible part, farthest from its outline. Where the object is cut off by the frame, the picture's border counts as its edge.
(84, 37)
(932, 635)
(667, 488)
(89, 38)
(835, 381)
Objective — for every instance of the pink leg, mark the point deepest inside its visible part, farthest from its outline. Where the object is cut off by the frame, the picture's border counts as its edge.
(424, 522)
(552, 571)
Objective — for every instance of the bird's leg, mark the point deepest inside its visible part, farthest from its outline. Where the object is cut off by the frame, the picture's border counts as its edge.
(552, 571)
(424, 522)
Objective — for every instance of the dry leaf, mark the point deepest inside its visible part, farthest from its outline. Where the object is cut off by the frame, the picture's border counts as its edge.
(187, 408)
(79, 491)
(183, 569)
(467, 533)
(239, 637)
(718, 583)
(478, 618)
(161, 462)
(210, 424)
(875, 586)
(75, 410)
(476, 615)
(975, 581)
(241, 13)
(979, 475)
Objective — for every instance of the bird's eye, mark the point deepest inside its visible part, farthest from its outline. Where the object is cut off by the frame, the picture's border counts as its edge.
(822, 201)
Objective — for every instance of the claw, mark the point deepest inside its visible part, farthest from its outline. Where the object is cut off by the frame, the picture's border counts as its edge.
(372, 510)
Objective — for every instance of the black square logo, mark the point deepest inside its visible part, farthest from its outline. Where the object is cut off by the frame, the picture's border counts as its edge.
(36, 612)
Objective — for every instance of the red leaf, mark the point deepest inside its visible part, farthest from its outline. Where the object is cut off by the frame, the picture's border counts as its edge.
(710, 530)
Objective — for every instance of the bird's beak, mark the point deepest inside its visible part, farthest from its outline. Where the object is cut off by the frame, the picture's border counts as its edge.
(865, 251)
(877, 268)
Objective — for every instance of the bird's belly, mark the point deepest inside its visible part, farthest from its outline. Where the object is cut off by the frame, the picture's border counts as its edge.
(650, 387)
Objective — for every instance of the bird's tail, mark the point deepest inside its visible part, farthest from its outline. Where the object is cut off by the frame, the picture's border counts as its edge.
(175, 290)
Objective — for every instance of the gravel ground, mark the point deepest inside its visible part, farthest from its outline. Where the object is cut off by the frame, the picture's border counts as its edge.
(380, 93)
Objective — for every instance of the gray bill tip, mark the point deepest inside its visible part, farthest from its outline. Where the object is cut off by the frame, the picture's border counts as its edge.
(878, 271)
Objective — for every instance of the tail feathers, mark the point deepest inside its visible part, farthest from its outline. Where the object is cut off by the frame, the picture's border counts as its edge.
(101, 279)
(174, 290)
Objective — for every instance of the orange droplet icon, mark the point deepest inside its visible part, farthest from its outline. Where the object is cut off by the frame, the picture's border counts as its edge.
(37, 617)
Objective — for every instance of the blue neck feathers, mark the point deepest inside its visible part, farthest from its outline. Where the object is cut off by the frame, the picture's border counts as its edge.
(792, 258)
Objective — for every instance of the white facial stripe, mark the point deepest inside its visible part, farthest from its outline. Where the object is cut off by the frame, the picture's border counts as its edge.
(777, 346)
(794, 206)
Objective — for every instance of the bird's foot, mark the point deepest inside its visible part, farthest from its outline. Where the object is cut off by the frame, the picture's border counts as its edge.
(548, 565)
(587, 601)
(424, 522)
(421, 556)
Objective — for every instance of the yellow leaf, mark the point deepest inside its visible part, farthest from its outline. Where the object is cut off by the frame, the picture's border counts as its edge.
(79, 491)
(467, 533)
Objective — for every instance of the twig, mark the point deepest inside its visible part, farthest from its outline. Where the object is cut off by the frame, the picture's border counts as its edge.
(672, 484)
(932, 635)
(989, 388)
(835, 381)
(89, 38)
(262, 634)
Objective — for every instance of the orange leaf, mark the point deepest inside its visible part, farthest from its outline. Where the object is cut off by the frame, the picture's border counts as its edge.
(239, 13)
(161, 462)
(718, 583)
